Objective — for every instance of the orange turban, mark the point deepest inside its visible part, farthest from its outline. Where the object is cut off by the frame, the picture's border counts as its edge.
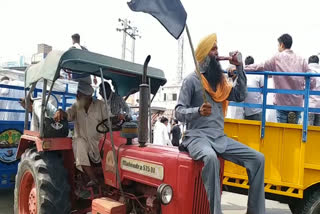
(205, 47)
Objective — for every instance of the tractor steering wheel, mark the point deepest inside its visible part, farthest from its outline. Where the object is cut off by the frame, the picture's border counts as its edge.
(103, 126)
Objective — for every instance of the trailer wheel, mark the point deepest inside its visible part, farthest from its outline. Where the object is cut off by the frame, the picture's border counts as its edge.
(310, 204)
(41, 184)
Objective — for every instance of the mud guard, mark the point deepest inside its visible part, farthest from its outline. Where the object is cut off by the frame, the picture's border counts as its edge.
(29, 139)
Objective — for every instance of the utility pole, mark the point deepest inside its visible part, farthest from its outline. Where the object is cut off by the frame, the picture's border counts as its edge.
(133, 47)
(131, 31)
(124, 23)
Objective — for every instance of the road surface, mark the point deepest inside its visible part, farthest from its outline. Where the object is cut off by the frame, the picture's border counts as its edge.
(231, 204)
(237, 204)
(6, 202)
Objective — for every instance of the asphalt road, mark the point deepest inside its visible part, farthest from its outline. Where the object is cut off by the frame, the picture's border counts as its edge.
(6, 201)
(231, 204)
(237, 204)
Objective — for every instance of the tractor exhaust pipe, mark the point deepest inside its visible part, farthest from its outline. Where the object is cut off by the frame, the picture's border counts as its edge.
(144, 105)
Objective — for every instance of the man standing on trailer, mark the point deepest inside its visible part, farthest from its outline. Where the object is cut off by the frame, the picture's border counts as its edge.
(81, 77)
(254, 81)
(205, 139)
(286, 61)
(314, 118)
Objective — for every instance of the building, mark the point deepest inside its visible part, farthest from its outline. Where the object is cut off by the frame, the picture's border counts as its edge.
(14, 62)
(43, 50)
(167, 96)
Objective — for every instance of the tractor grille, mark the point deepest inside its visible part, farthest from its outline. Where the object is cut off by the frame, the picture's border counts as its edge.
(200, 200)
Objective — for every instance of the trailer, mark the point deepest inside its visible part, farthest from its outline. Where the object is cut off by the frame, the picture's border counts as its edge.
(292, 167)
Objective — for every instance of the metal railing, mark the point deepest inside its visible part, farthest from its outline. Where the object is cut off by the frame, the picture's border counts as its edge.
(65, 96)
(265, 90)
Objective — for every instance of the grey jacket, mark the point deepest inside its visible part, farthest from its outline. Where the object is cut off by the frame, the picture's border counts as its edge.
(189, 102)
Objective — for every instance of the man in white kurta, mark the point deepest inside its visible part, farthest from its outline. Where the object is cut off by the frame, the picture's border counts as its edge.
(86, 113)
(86, 138)
(161, 136)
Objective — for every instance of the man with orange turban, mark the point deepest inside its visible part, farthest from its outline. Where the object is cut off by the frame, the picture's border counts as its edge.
(205, 138)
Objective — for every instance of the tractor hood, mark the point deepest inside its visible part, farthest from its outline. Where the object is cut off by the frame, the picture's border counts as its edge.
(152, 165)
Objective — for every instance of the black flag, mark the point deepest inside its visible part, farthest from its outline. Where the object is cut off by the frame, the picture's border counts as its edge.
(170, 13)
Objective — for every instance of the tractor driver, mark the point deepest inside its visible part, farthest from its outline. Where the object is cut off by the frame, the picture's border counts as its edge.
(117, 105)
(86, 113)
(204, 138)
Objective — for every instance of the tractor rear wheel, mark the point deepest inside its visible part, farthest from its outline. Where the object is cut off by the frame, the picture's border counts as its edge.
(310, 204)
(41, 184)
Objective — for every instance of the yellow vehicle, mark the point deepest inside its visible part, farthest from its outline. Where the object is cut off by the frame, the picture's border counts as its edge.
(292, 152)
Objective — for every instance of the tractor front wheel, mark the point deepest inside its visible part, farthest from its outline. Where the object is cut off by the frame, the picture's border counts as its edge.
(41, 184)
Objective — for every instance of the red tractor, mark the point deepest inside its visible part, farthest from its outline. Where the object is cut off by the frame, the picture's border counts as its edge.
(136, 176)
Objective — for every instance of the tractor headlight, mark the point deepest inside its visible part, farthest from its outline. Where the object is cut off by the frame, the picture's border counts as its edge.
(165, 193)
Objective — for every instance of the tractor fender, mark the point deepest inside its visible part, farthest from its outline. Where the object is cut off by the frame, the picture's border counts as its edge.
(43, 144)
(24, 144)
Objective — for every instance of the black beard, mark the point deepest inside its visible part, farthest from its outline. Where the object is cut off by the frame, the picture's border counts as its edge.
(213, 73)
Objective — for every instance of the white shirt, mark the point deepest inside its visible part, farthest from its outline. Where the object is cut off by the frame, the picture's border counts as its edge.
(77, 46)
(254, 81)
(85, 126)
(315, 100)
(160, 135)
(36, 113)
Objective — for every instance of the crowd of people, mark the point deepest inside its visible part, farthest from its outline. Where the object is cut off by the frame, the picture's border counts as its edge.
(284, 61)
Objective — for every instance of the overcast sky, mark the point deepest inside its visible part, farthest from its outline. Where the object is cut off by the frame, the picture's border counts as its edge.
(250, 26)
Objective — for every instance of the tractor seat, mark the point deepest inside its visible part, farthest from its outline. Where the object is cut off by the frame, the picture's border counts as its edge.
(182, 148)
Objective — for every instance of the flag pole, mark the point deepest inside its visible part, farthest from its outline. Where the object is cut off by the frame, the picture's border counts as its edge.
(197, 65)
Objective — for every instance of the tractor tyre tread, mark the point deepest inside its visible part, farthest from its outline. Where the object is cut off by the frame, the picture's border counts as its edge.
(53, 190)
(305, 205)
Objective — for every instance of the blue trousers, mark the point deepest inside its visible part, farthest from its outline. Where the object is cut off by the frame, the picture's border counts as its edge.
(314, 119)
(282, 116)
(238, 153)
